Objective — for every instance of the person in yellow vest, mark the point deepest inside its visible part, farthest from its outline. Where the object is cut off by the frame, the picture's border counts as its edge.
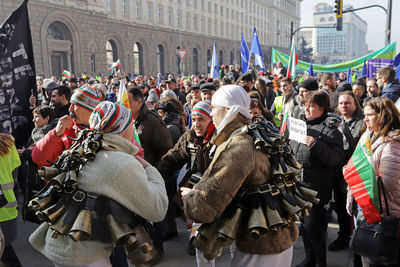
(9, 161)
(285, 102)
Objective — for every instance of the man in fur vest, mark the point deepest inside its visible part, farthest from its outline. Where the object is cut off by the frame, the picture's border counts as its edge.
(236, 164)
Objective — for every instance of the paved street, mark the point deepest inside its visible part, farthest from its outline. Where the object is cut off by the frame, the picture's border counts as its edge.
(175, 250)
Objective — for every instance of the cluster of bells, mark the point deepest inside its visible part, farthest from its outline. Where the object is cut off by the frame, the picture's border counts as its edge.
(50, 209)
(291, 197)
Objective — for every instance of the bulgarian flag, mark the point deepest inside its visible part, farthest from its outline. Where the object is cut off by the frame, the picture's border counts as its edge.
(359, 174)
(114, 65)
(293, 61)
(285, 126)
(66, 74)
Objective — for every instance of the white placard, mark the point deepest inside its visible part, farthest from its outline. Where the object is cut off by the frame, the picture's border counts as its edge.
(297, 130)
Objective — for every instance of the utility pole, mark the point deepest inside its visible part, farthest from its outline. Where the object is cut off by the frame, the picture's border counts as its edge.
(388, 22)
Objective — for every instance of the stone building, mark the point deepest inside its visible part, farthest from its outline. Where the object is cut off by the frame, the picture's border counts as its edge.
(88, 35)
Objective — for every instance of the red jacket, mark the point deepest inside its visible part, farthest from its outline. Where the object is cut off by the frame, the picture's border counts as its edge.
(47, 150)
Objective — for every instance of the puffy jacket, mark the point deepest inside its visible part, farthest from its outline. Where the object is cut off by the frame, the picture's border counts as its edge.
(322, 160)
(386, 155)
(392, 91)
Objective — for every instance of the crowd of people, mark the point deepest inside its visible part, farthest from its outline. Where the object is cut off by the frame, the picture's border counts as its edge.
(187, 127)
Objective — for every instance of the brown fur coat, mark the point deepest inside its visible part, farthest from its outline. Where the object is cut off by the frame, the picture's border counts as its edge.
(236, 163)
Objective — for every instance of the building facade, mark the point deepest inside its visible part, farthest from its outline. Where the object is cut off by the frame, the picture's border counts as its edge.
(332, 46)
(88, 35)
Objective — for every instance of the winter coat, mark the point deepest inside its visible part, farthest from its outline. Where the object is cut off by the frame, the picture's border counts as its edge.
(323, 159)
(171, 120)
(117, 175)
(386, 155)
(353, 127)
(236, 163)
(153, 134)
(392, 91)
(38, 133)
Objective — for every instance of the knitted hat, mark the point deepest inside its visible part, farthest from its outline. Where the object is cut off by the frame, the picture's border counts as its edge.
(203, 108)
(168, 93)
(86, 97)
(110, 117)
(153, 96)
(310, 84)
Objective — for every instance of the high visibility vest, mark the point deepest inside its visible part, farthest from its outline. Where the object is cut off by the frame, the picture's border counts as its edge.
(8, 163)
(278, 103)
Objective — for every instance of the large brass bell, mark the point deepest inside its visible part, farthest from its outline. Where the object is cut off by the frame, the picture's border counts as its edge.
(141, 251)
(122, 234)
(273, 217)
(57, 182)
(59, 228)
(230, 227)
(48, 172)
(257, 223)
(303, 204)
(46, 216)
(207, 236)
(72, 180)
(90, 153)
(276, 173)
(309, 194)
(81, 230)
(38, 204)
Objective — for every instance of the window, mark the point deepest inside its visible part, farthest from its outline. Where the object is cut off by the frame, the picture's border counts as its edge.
(221, 57)
(195, 61)
(159, 14)
(188, 21)
(123, 6)
(209, 27)
(178, 61)
(232, 58)
(109, 5)
(209, 57)
(179, 17)
(111, 52)
(209, 6)
(160, 59)
(54, 33)
(322, 20)
(137, 59)
(149, 9)
(169, 16)
(196, 27)
(195, 3)
(203, 24)
(215, 28)
(93, 62)
(331, 19)
(136, 9)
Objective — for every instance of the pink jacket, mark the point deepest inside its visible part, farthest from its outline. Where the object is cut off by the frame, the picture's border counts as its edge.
(386, 155)
(50, 147)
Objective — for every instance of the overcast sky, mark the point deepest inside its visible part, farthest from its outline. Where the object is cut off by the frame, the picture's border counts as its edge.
(375, 18)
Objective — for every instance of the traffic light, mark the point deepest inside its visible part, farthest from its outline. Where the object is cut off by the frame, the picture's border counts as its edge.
(338, 8)
(339, 23)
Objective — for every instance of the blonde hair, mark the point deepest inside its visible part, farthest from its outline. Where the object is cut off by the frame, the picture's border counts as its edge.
(6, 142)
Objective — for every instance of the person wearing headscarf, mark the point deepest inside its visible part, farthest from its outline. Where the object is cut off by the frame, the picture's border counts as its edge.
(236, 164)
(115, 173)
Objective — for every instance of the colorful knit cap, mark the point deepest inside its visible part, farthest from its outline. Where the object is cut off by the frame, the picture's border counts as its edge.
(203, 108)
(110, 117)
(86, 97)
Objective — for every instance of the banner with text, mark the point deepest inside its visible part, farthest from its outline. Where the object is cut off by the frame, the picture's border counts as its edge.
(388, 52)
(376, 64)
(17, 75)
(297, 130)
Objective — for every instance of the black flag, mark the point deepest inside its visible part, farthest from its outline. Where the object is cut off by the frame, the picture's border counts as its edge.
(17, 75)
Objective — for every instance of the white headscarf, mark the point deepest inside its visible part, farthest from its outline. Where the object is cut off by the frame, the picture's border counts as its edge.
(236, 99)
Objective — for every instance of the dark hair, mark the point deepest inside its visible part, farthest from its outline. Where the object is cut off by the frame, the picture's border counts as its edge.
(388, 116)
(44, 111)
(319, 98)
(136, 92)
(63, 90)
(356, 102)
(360, 81)
(388, 73)
(326, 77)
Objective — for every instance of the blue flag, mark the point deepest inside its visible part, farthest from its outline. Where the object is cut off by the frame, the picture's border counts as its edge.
(396, 64)
(311, 70)
(245, 55)
(256, 50)
(132, 78)
(364, 70)
(349, 76)
(214, 63)
(159, 79)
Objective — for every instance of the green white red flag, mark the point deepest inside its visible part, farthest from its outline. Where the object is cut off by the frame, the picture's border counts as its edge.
(284, 125)
(66, 74)
(114, 65)
(293, 61)
(359, 174)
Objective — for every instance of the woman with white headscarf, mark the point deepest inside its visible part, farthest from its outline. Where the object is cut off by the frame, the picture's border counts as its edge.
(237, 164)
